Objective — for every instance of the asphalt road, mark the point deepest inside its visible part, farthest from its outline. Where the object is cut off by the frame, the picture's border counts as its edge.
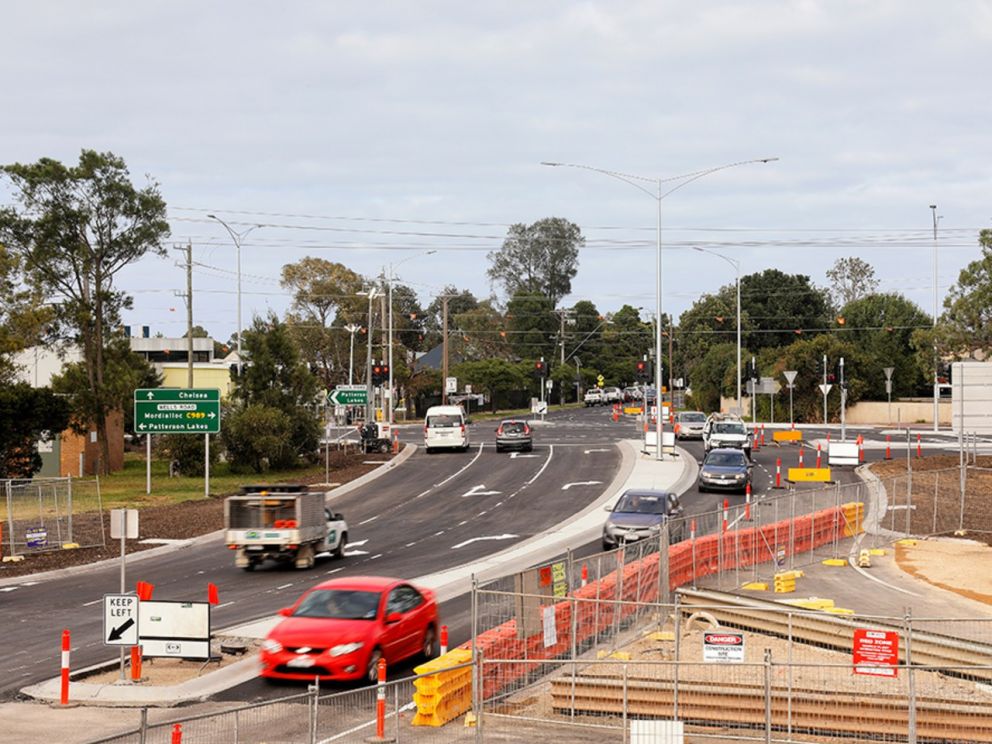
(433, 512)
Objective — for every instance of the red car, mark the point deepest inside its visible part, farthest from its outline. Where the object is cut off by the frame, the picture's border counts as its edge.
(340, 629)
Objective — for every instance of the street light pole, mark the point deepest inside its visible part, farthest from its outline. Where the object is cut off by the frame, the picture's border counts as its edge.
(658, 194)
(352, 330)
(737, 267)
(936, 383)
(371, 294)
(390, 279)
(237, 238)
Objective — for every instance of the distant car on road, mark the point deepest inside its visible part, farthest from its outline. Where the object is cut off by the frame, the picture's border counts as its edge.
(338, 630)
(726, 431)
(612, 395)
(639, 514)
(444, 427)
(725, 470)
(514, 434)
(593, 397)
(690, 424)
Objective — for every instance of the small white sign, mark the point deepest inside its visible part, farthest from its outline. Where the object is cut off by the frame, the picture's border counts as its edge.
(843, 453)
(124, 522)
(723, 647)
(120, 619)
(180, 629)
(550, 629)
(451, 385)
(539, 407)
(468, 390)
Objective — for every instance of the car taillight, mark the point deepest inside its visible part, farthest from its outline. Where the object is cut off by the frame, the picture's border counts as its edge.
(499, 431)
(463, 428)
(425, 431)
(526, 429)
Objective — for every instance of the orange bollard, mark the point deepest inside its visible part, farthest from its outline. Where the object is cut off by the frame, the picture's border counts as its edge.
(380, 702)
(177, 733)
(801, 456)
(888, 449)
(444, 640)
(861, 449)
(919, 446)
(66, 645)
(585, 574)
(762, 435)
(135, 663)
(747, 503)
(726, 505)
(396, 442)
(818, 460)
(778, 472)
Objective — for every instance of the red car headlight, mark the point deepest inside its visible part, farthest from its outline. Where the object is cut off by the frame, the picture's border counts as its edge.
(271, 646)
(345, 648)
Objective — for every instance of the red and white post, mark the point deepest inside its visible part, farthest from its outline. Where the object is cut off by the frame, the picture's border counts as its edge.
(177, 733)
(762, 435)
(726, 506)
(380, 702)
(66, 645)
(585, 574)
(888, 447)
(444, 640)
(778, 472)
(861, 448)
(747, 503)
(801, 456)
(919, 446)
(818, 456)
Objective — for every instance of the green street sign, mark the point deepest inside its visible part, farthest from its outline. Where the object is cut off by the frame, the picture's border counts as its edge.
(177, 411)
(348, 395)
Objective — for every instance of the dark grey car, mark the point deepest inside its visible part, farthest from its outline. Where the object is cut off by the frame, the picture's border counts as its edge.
(725, 469)
(514, 435)
(639, 514)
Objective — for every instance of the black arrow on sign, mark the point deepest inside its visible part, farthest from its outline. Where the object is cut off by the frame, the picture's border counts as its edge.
(116, 633)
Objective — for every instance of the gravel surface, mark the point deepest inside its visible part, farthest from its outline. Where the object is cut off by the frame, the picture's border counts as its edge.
(180, 521)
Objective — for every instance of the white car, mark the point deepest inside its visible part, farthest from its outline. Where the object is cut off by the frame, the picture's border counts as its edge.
(612, 395)
(593, 397)
(444, 428)
(726, 431)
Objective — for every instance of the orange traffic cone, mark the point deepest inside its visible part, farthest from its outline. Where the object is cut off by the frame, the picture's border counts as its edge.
(396, 442)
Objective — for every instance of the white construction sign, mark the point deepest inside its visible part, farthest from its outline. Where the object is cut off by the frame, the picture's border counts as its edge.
(177, 629)
(120, 619)
(723, 647)
(971, 397)
(842, 453)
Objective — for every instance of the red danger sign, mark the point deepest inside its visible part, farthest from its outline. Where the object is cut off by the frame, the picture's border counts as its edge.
(876, 652)
(723, 648)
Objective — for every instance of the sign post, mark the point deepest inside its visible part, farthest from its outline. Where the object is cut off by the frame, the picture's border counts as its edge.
(790, 379)
(123, 525)
(888, 389)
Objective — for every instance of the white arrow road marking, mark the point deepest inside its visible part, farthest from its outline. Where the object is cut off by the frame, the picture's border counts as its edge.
(349, 553)
(581, 483)
(515, 455)
(595, 450)
(370, 519)
(356, 543)
(477, 539)
(480, 491)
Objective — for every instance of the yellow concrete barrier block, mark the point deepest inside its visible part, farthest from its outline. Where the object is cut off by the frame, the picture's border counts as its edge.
(906, 543)
(785, 575)
(620, 655)
(809, 475)
(834, 562)
(785, 587)
(633, 410)
(854, 514)
(789, 435)
(839, 611)
(469, 719)
(661, 635)
(877, 551)
(756, 586)
(70, 546)
(864, 559)
(811, 603)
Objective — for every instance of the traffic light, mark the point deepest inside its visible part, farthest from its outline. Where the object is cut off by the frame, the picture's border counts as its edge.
(643, 371)
(752, 371)
(540, 369)
(380, 374)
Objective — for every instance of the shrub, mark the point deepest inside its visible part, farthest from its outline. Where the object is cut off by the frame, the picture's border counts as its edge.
(258, 438)
(187, 451)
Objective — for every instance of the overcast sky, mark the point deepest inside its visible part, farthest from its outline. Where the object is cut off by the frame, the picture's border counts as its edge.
(368, 133)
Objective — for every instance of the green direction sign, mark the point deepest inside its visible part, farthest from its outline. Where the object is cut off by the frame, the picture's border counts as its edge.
(348, 395)
(177, 411)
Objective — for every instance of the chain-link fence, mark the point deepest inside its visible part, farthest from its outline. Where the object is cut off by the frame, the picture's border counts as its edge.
(45, 514)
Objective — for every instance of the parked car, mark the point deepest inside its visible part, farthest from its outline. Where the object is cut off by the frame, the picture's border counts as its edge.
(444, 427)
(514, 434)
(338, 630)
(725, 470)
(639, 514)
(722, 430)
(690, 424)
(593, 397)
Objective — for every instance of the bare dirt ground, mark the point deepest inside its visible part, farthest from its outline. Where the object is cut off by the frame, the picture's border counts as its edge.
(180, 521)
(960, 566)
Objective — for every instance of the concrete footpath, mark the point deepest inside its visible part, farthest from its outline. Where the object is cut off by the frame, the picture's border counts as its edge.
(88, 717)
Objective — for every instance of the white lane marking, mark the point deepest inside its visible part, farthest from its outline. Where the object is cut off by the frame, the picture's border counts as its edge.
(359, 727)
(459, 472)
(377, 555)
(284, 586)
(31, 583)
(478, 539)
(515, 455)
(356, 543)
(95, 601)
(551, 452)
(480, 491)
(410, 545)
(370, 519)
(375, 462)
(333, 571)
(594, 450)
(462, 523)
(9, 588)
(581, 483)
(226, 604)
(440, 532)
(349, 553)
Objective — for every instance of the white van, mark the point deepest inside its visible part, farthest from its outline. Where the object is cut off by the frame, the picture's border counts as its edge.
(444, 426)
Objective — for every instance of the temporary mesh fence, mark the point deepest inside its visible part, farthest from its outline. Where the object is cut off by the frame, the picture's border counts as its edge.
(44, 514)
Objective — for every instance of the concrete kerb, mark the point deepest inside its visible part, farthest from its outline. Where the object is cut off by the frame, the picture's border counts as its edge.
(143, 555)
(581, 527)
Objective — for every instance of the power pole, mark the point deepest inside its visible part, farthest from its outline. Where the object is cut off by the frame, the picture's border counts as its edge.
(188, 297)
(444, 350)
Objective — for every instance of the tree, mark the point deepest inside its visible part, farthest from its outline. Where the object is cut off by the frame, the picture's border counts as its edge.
(711, 321)
(459, 301)
(321, 291)
(480, 333)
(22, 312)
(75, 229)
(965, 330)
(492, 376)
(714, 376)
(805, 356)
(259, 437)
(532, 326)
(29, 414)
(276, 376)
(781, 307)
(538, 259)
(882, 326)
(851, 279)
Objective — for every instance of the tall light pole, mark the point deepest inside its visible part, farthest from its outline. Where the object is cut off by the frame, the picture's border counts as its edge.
(371, 294)
(737, 267)
(658, 194)
(390, 277)
(237, 238)
(936, 383)
(352, 330)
